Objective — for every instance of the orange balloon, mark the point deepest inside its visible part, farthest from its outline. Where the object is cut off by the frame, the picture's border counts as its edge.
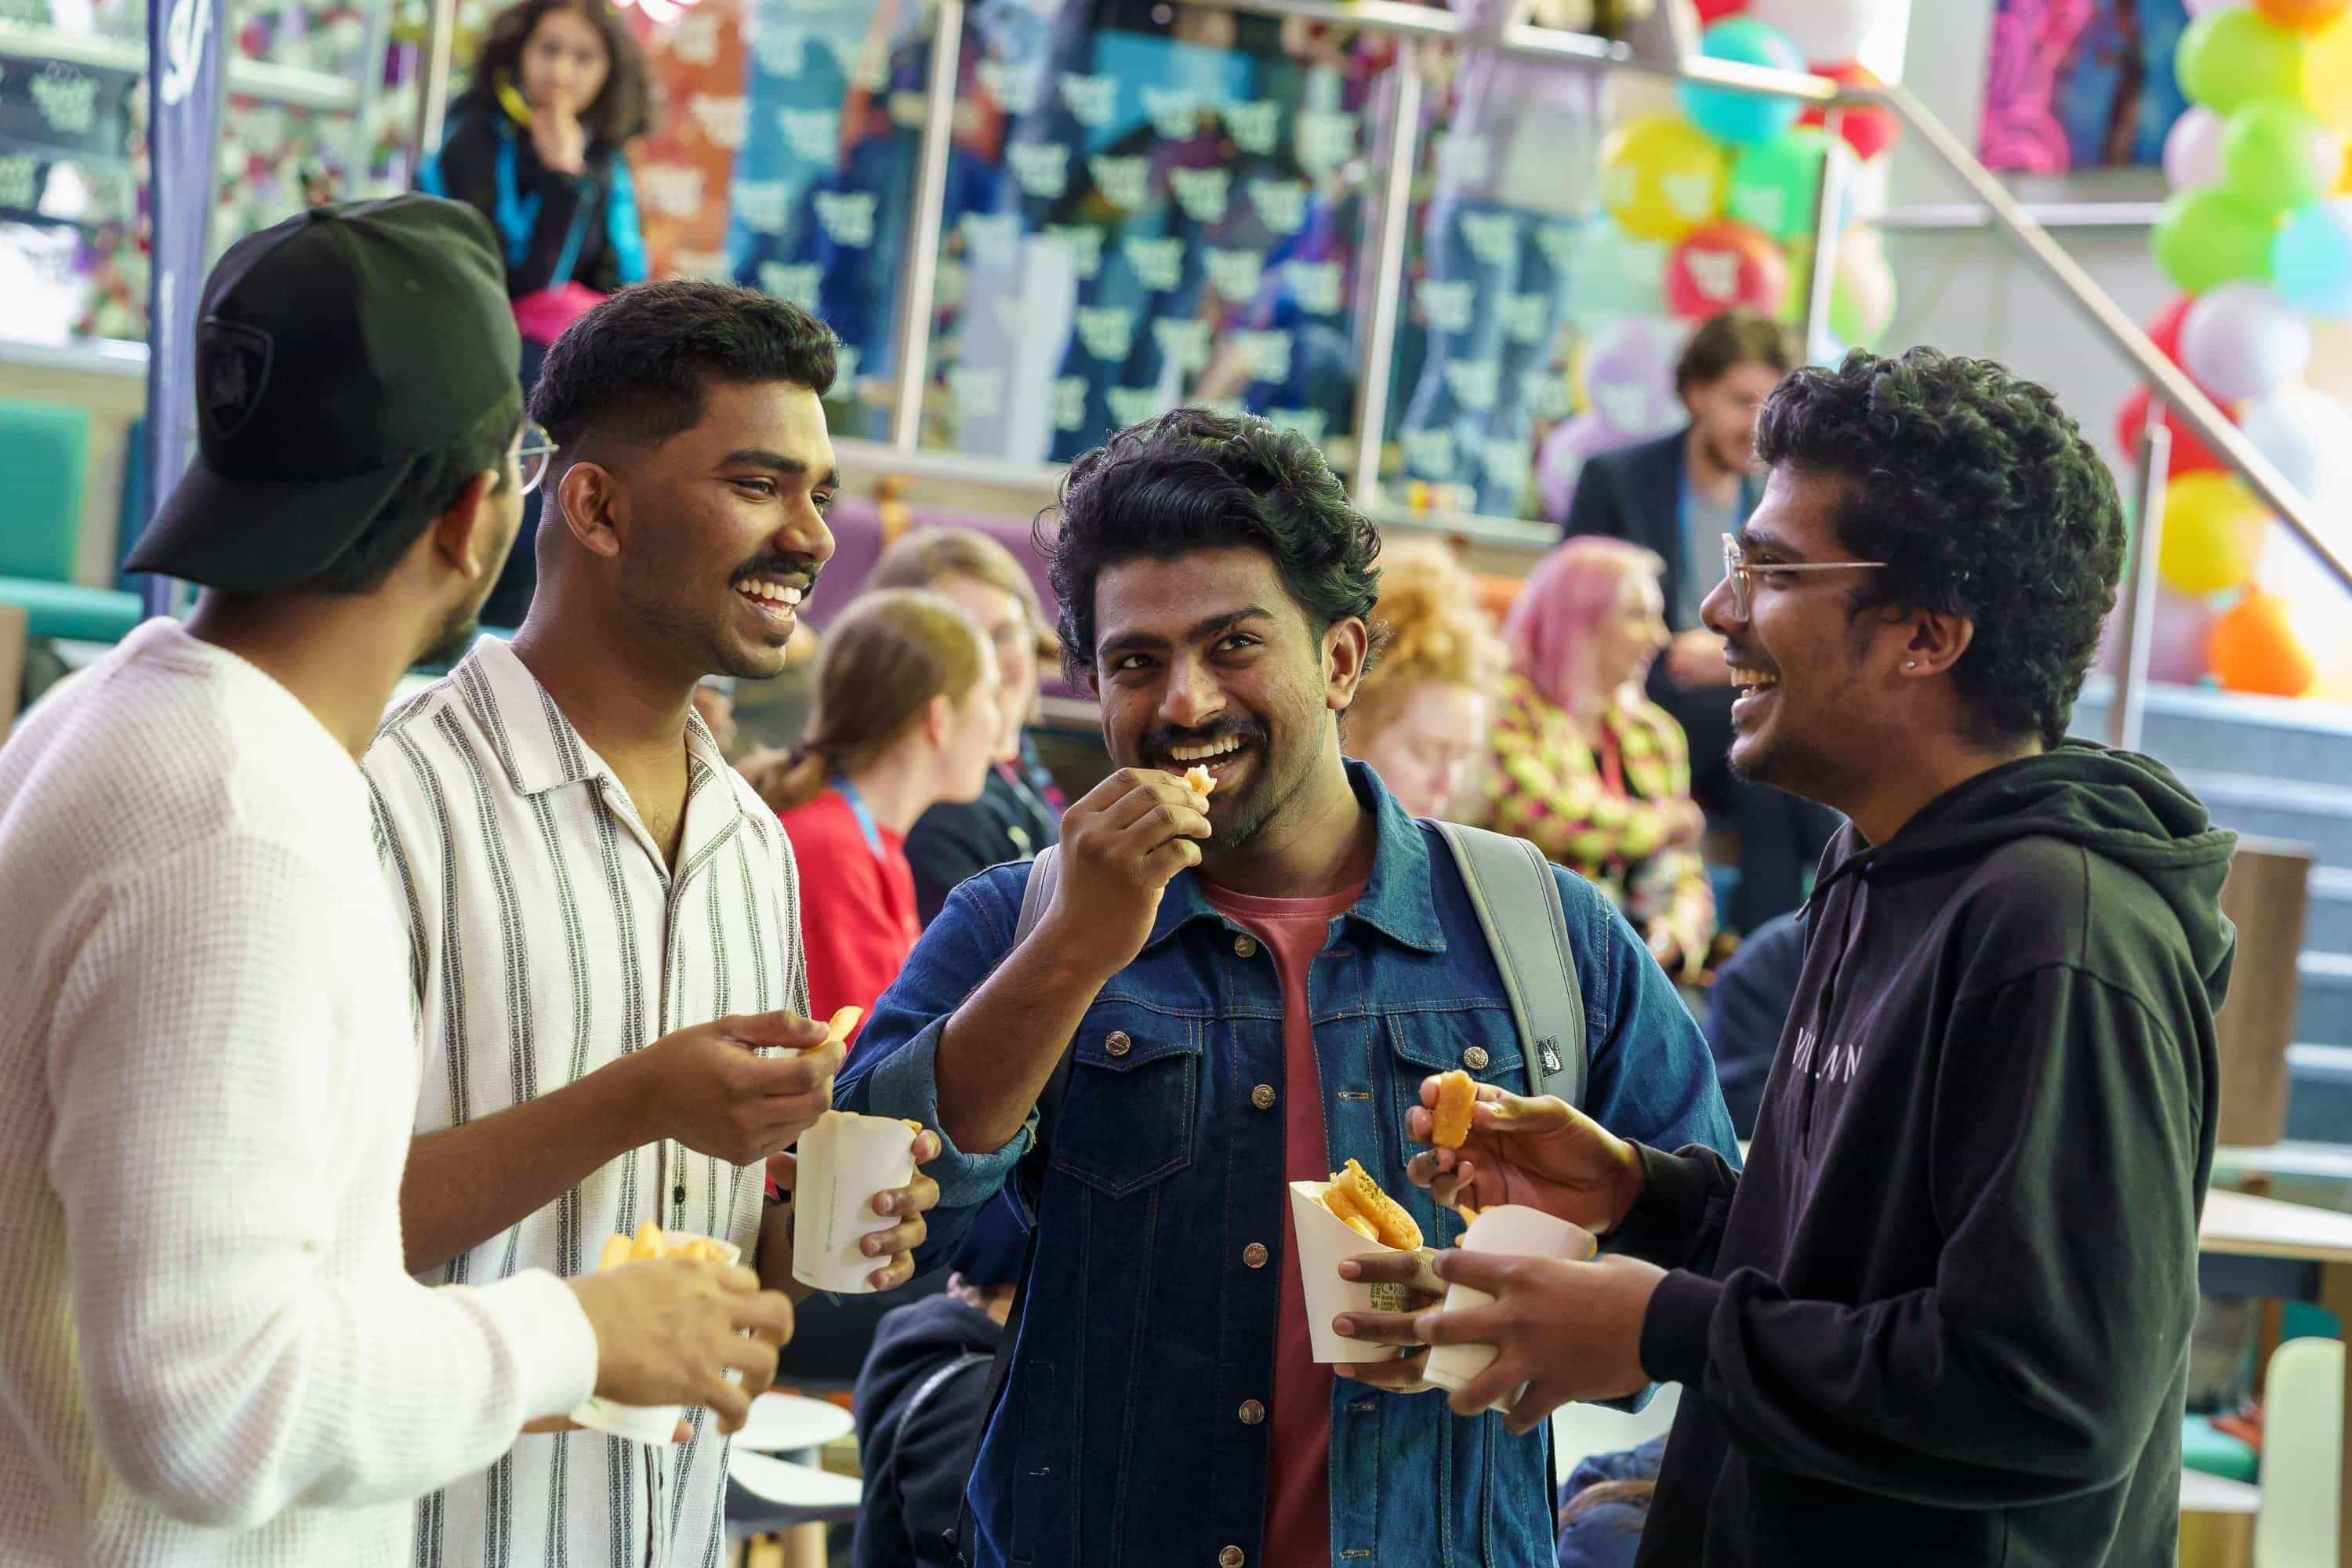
(2254, 649)
(2301, 15)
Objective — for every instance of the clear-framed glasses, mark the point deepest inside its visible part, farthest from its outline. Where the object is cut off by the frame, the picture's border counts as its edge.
(538, 451)
(1742, 576)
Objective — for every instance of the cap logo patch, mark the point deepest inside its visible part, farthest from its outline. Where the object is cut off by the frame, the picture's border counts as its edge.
(232, 369)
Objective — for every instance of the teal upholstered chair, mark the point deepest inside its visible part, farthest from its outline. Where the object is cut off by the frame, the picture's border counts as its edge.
(43, 452)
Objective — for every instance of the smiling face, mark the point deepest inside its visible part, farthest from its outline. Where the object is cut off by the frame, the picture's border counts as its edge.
(722, 528)
(1423, 753)
(1723, 413)
(1820, 708)
(1206, 659)
(564, 62)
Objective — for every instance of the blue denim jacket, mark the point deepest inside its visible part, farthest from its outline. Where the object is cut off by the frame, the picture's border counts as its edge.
(1120, 1442)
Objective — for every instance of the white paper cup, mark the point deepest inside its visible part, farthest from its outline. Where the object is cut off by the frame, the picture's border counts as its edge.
(845, 1161)
(644, 1423)
(1520, 1232)
(1324, 1242)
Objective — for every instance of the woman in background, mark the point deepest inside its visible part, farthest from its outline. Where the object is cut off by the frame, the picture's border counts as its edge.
(535, 142)
(1420, 719)
(1585, 765)
(906, 717)
(1019, 811)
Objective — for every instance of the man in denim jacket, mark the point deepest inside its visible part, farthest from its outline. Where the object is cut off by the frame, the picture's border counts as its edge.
(1259, 981)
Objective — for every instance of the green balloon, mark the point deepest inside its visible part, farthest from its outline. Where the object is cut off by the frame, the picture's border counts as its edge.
(2277, 155)
(1776, 184)
(2228, 58)
(2208, 236)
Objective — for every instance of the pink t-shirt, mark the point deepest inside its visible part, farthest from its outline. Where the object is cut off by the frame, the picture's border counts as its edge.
(1298, 1459)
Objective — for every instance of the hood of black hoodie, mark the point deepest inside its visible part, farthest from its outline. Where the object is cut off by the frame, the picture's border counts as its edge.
(909, 1344)
(2126, 809)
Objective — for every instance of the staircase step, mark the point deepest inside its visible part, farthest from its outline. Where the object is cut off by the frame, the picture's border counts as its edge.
(2291, 811)
(2191, 727)
(2324, 1011)
(2328, 922)
(2319, 1105)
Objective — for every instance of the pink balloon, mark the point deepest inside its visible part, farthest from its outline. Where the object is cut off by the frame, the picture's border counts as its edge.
(2192, 150)
(1629, 376)
(2176, 652)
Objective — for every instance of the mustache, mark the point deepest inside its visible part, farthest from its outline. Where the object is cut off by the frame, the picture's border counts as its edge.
(793, 570)
(1733, 654)
(1158, 743)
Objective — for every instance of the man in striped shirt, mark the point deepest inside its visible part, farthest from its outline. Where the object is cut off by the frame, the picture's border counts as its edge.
(603, 920)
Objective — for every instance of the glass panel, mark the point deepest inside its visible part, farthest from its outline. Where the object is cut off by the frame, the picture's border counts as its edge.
(70, 130)
(1147, 205)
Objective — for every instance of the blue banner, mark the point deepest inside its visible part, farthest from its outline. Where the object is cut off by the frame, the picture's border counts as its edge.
(184, 42)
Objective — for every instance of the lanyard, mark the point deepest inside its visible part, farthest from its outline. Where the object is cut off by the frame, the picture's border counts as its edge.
(865, 825)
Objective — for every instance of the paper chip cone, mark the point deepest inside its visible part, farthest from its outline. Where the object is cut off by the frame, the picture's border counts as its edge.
(844, 1159)
(1521, 1232)
(644, 1423)
(1324, 1242)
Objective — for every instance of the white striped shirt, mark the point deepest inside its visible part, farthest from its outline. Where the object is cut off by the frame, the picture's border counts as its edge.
(547, 939)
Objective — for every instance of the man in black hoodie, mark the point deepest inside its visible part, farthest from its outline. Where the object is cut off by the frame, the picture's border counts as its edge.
(1943, 1317)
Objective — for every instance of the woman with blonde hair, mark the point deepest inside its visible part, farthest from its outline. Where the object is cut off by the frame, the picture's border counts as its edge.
(906, 716)
(1584, 764)
(1420, 717)
(1019, 811)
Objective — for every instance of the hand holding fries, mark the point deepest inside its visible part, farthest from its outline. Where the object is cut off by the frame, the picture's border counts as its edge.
(710, 1089)
(1121, 845)
(1542, 1153)
(671, 1326)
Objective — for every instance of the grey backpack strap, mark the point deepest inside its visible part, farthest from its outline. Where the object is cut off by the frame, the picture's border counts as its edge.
(1038, 891)
(1518, 899)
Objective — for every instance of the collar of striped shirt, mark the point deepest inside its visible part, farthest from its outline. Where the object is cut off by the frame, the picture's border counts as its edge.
(547, 938)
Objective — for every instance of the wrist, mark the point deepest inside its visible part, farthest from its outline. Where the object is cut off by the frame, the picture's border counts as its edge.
(623, 1106)
(1625, 1187)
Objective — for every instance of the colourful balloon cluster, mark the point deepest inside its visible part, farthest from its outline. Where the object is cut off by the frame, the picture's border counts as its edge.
(1722, 199)
(2257, 234)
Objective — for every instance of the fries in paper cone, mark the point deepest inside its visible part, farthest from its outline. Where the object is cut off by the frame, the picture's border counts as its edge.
(1359, 1204)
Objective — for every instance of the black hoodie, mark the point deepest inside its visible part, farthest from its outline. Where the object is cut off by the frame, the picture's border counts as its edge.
(919, 1409)
(1943, 1317)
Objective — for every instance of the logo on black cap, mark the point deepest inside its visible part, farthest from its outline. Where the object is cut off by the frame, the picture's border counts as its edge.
(233, 366)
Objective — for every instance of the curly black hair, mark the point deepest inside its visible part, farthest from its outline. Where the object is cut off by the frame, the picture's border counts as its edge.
(622, 109)
(1193, 480)
(1984, 499)
(641, 363)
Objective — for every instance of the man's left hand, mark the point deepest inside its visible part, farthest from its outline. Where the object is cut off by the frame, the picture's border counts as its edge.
(1567, 1331)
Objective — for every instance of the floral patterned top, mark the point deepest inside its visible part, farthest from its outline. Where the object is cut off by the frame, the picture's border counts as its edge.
(1547, 785)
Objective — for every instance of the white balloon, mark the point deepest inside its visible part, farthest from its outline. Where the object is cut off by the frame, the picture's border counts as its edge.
(2243, 342)
(1826, 32)
(2307, 436)
(2192, 150)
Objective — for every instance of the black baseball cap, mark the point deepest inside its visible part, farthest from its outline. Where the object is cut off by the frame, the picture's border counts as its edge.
(335, 351)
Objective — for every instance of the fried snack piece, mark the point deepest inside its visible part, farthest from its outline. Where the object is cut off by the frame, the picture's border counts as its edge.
(1335, 1198)
(837, 1027)
(1449, 1123)
(1200, 780)
(1354, 1187)
(616, 1252)
(913, 1123)
(649, 1242)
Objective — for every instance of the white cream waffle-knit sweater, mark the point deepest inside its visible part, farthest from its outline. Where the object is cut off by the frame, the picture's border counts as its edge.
(209, 1353)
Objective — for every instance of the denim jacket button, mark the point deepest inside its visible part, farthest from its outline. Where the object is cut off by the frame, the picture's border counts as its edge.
(1475, 1059)
(1231, 1557)
(1115, 1043)
(1244, 947)
(1254, 1255)
(1263, 1096)
(1252, 1413)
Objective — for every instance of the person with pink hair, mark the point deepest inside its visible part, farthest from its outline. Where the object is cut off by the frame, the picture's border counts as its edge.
(1585, 766)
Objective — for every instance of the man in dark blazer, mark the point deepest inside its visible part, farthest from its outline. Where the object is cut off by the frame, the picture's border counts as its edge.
(1678, 496)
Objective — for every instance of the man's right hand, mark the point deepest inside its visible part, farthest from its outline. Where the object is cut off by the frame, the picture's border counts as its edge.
(668, 1330)
(1121, 845)
(1543, 1152)
(706, 1089)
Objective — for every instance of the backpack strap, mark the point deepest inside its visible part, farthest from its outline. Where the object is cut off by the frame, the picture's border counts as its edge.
(1517, 896)
(882, 1468)
(1036, 897)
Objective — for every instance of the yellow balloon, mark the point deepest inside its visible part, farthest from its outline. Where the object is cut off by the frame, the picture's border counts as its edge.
(2212, 533)
(2327, 73)
(1661, 177)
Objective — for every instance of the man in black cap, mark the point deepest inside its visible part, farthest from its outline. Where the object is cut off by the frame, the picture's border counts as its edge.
(206, 1067)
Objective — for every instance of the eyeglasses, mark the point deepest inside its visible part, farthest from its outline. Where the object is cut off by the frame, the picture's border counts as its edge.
(538, 448)
(1742, 576)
